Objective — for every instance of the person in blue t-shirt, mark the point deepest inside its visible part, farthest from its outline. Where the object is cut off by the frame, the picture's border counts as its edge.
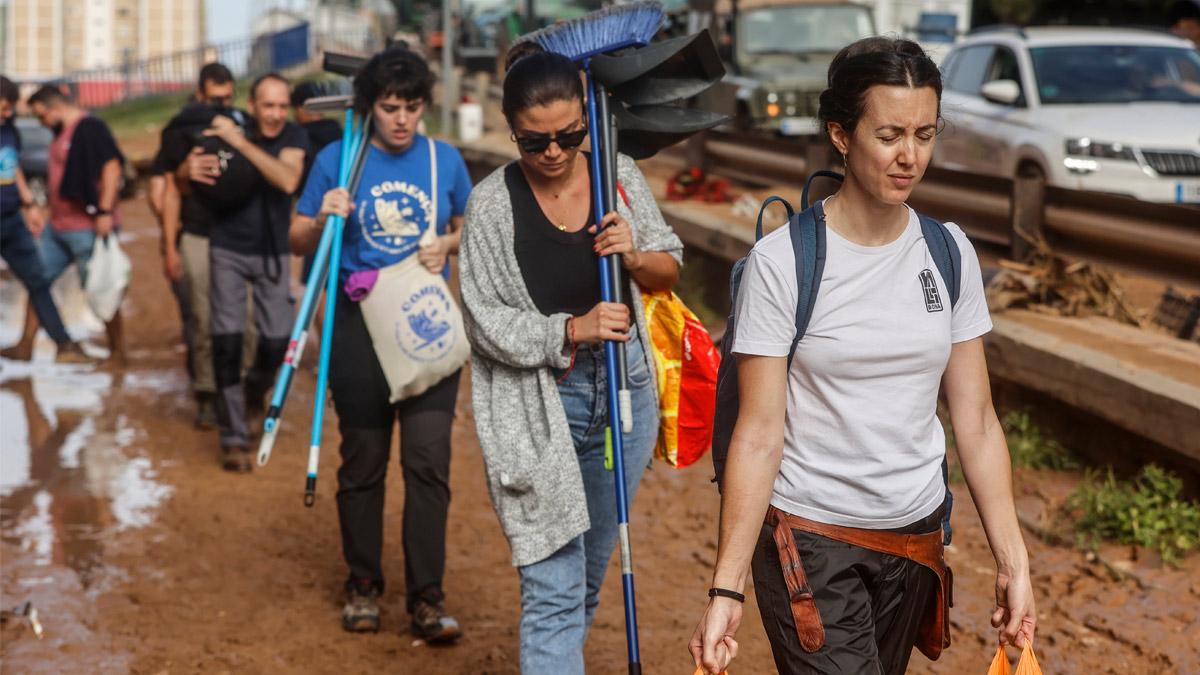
(392, 207)
(17, 238)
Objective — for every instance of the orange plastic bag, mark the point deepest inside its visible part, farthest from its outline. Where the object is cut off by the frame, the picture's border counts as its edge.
(1028, 665)
(687, 363)
(1000, 663)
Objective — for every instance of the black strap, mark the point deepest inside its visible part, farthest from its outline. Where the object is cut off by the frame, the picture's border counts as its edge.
(726, 593)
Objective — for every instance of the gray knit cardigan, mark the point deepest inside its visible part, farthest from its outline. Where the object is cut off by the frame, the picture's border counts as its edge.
(532, 470)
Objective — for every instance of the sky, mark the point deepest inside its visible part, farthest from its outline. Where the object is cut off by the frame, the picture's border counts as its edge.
(231, 19)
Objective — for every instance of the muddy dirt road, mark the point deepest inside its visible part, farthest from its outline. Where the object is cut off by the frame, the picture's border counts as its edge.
(143, 556)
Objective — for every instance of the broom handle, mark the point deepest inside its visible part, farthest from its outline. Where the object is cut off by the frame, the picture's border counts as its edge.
(599, 131)
(336, 223)
(312, 292)
(616, 275)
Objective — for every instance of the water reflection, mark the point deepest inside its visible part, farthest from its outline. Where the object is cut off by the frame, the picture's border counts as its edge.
(69, 466)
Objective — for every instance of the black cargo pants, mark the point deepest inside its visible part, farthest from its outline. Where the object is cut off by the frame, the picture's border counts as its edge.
(871, 603)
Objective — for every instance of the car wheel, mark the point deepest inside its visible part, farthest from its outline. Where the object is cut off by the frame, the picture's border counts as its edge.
(1027, 209)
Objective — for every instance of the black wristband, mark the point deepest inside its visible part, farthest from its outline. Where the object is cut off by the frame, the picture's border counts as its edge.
(726, 593)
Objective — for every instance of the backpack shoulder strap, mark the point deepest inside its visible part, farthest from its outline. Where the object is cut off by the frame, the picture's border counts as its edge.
(790, 212)
(808, 245)
(945, 254)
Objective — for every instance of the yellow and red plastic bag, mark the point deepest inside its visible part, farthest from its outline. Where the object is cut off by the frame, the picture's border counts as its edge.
(687, 362)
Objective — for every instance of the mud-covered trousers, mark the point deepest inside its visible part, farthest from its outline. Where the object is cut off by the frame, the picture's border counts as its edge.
(230, 275)
(365, 420)
(871, 603)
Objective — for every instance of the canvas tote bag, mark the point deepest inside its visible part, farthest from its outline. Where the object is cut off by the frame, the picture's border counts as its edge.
(414, 323)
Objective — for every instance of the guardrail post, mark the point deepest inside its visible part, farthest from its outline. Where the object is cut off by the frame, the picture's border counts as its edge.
(1028, 210)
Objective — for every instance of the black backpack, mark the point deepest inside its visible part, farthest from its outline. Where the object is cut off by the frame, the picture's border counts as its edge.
(808, 242)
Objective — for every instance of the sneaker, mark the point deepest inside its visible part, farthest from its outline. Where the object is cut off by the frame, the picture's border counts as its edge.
(235, 458)
(206, 412)
(72, 352)
(431, 622)
(361, 611)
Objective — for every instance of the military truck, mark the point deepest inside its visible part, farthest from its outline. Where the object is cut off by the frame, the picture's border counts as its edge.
(777, 55)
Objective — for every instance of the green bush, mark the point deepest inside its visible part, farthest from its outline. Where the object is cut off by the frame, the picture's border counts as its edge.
(1147, 511)
(1027, 446)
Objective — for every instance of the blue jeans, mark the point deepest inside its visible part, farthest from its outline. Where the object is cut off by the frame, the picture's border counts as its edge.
(559, 595)
(21, 253)
(60, 249)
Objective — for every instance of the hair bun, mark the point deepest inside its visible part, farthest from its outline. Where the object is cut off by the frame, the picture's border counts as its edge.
(519, 51)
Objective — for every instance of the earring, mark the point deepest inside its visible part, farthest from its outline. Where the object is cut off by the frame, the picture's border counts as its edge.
(844, 158)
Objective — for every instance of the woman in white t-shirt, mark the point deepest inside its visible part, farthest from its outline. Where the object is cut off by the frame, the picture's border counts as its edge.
(842, 451)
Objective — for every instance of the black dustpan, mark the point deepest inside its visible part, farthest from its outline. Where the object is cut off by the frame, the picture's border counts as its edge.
(644, 130)
(662, 72)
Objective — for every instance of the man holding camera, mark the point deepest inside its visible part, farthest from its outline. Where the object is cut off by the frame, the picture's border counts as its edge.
(248, 246)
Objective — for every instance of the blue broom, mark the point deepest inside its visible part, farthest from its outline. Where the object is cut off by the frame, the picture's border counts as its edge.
(579, 39)
(347, 162)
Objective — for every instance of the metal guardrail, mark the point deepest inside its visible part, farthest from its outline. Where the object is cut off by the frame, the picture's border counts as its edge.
(245, 58)
(1145, 238)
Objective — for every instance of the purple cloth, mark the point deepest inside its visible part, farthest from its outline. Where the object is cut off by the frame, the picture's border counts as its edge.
(360, 284)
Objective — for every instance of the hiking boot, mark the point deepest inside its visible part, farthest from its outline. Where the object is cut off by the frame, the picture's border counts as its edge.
(430, 620)
(206, 412)
(72, 352)
(235, 458)
(361, 611)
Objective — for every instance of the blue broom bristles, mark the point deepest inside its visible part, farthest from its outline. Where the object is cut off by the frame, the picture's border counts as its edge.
(602, 31)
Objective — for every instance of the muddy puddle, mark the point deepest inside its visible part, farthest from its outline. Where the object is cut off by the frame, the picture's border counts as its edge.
(72, 472)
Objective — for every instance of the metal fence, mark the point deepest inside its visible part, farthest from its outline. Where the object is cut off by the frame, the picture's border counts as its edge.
(295, 50)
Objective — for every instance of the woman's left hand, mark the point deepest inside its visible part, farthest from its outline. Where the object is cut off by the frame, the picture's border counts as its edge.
(433, 256)
(616, 237)
(1015, 614)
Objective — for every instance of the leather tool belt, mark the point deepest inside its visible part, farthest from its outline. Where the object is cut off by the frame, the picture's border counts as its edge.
(925, 549)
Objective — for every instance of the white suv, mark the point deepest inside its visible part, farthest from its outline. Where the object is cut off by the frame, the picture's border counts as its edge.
(1104, 109)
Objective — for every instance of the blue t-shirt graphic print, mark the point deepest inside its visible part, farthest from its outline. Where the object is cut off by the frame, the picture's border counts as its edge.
(393, 205)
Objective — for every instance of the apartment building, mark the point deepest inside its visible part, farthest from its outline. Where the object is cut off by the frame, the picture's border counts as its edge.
(46, 39)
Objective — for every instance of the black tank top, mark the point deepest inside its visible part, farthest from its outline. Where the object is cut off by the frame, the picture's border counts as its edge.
(560, 268)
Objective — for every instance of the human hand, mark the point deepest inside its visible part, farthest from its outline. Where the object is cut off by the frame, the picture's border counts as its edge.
(1015, 612)
(336, 202)
(605, 321)
(433, 256)
(35, 220)
(712, 646)
(172, 264)
(616, 237)
(202, 166)
(104, 224)
(225, 129)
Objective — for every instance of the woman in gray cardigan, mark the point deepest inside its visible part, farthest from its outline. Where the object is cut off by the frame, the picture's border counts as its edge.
(531, 299)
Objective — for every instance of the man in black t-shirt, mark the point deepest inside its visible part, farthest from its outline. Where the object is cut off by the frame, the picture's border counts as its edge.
(185, 224)
(248, 245)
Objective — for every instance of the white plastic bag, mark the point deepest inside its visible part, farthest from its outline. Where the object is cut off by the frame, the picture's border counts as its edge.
(107, 277)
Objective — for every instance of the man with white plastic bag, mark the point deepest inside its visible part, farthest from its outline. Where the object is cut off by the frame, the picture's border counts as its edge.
(85, 176)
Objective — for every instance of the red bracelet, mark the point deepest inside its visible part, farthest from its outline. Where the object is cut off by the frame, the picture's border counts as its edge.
(574, 348)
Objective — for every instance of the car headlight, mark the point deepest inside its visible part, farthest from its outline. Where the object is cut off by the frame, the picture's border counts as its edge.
(1086, 147)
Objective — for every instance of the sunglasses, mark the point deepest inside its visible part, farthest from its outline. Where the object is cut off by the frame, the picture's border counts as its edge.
(539, 144)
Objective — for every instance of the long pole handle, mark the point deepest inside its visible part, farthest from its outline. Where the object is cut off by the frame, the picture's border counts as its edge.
(616, 273)
(600, 140)
(312, 293)
(336, 223)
